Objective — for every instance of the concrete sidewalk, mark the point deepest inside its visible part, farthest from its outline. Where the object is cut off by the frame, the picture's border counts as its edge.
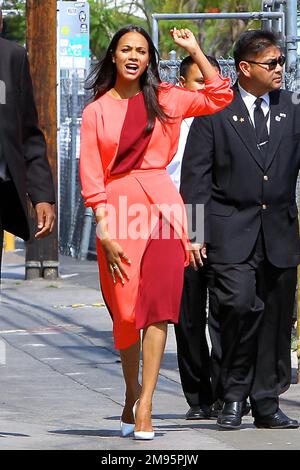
(61, 384)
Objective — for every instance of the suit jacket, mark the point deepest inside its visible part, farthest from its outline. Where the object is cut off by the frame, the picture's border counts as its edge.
(242, 191)
(21, 141)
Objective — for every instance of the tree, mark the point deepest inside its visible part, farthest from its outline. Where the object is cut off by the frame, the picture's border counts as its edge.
(220, 35)
(107, 16)
(105, 19)
(14, 27)
(216, 36)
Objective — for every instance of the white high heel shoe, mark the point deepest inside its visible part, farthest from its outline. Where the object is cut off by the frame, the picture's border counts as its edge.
(126, 428)
(142, 435)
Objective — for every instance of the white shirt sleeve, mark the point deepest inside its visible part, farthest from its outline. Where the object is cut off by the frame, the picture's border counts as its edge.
(174, 167)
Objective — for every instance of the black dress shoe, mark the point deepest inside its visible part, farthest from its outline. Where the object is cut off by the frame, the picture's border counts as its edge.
(217, 406)
(231, 415)
(246, 408)
(277, 420)
(198, 412)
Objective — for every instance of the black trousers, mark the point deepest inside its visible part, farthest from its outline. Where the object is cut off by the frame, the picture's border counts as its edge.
(7, 196)
(192, 347)
(1, 241)
(253, 304)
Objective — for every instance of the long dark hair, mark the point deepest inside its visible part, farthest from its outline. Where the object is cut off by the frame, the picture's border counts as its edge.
(103, 76)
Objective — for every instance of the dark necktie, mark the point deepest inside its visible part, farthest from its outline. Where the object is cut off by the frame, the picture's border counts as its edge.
(261, 130)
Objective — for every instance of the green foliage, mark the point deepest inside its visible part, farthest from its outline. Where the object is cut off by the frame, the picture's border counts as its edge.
(105, 20)
(15, 25)
(107, 16)
(216, 36)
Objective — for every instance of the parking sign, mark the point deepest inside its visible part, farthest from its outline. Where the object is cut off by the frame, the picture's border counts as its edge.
(73, 34)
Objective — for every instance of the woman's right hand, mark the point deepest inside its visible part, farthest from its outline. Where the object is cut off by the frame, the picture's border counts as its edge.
(115, 258)
(114, 253)
(184, 38)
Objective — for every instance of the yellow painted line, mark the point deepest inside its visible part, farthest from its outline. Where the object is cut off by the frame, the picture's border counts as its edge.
(97, 305)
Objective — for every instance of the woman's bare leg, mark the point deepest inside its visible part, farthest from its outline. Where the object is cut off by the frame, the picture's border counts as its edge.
(154, 341)
(130, 359)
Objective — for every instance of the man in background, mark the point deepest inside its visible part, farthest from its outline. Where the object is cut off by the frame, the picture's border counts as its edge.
(192, 348)
(24, 168)
(242, 164)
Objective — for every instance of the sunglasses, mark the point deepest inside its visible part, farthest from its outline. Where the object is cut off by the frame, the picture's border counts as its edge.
(272, 64)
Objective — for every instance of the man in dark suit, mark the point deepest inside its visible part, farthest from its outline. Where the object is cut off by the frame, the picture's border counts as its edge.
(242, 164)
(24, 168)
(192, 347)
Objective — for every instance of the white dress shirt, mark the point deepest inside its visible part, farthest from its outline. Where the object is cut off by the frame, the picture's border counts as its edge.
(249, 101)
(174, 167)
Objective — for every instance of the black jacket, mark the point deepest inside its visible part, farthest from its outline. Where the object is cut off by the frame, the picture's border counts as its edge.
(242, 192)
(22, 142)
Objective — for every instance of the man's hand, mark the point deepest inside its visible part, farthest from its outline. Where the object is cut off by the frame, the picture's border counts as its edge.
(197, 254)
(45, 214)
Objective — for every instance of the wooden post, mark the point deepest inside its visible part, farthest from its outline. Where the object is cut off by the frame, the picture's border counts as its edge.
(41, 33)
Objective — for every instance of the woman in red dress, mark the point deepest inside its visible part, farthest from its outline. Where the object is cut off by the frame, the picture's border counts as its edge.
(129, 135)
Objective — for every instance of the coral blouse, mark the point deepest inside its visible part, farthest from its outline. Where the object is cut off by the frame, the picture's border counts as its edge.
(102, 123)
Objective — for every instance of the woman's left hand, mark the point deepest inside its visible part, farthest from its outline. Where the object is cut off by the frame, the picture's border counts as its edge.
(184, 38)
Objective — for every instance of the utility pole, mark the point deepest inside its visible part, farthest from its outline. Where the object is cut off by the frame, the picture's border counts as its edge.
(41, 33)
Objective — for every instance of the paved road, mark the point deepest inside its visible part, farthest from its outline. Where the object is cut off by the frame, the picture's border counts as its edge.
(61, 385)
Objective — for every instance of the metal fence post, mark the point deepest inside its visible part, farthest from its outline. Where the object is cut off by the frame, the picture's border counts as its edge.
(86, 233)
(265, 15)
(74, 104)
(291, 35)
(173, 68)
(155, 34)
(265, 6)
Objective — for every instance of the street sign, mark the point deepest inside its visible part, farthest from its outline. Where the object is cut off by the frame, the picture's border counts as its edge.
(73, 35)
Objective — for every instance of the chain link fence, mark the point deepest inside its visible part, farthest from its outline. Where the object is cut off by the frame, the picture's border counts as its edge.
(73, 98)
(76, 223)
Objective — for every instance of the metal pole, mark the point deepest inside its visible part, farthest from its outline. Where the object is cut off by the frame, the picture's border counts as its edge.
(270, 3)
(74, 126)
(255, 15)
(155, 33)
(276, 24)
(86, 233)
(291, 35)
(266, 25)
(173, 67)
